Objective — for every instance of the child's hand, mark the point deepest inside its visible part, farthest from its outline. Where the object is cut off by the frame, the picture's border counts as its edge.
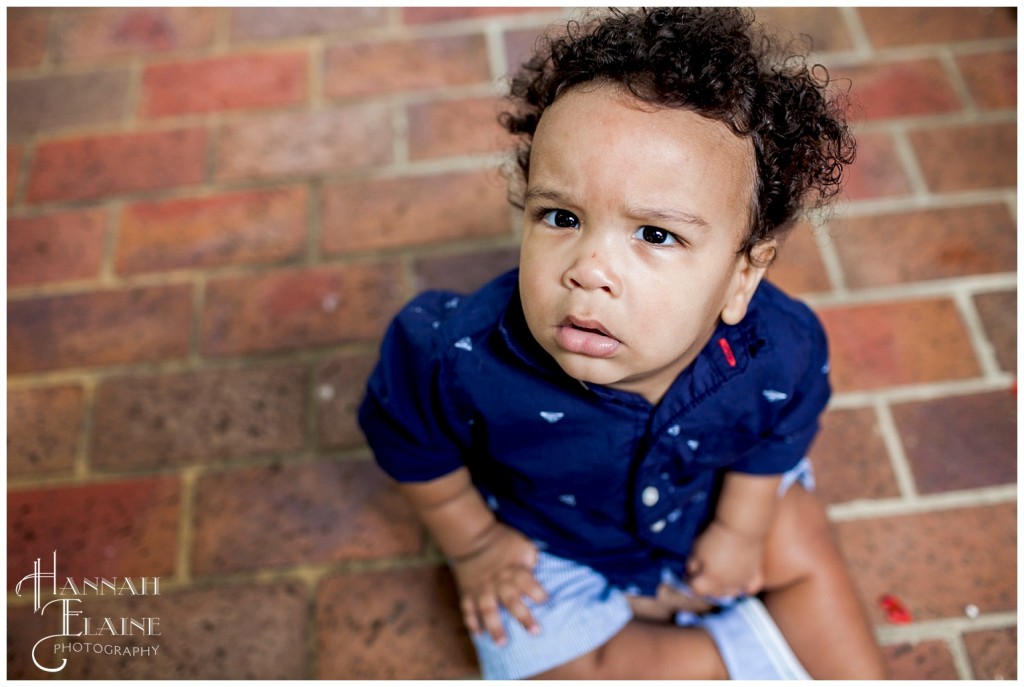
(499, 574)
(726, 562)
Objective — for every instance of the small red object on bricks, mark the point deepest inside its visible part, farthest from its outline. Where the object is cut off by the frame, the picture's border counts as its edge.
(894, 609)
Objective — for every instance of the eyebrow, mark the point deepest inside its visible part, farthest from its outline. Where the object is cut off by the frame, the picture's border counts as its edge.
(654, 214)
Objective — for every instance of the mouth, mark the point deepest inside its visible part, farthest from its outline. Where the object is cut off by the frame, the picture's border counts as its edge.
(586, 337)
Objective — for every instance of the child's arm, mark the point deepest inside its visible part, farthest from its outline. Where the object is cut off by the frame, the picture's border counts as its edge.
(727, 556)
(493, 563)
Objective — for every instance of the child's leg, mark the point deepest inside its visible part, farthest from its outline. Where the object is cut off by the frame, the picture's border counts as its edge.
(811, 597)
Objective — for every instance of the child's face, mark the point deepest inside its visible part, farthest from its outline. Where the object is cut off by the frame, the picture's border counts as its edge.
(634, 217)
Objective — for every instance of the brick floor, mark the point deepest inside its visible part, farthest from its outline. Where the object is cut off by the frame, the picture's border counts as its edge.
(213, 213)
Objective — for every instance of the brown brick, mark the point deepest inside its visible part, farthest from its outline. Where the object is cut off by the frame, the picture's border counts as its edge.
(113, 529)
(262, 23)
(26, 36)
(327, 512)
(429, 15)
(927, 660)
(991, 78)
(85, 168)
(889, 27)
(299, 309)
(798, 267)
(99, 328)
(926, 244)
(236, 82)
(96, 34)
(823, 26)
(877, 172)
(63, 246)
(334, 140)
(464, 272)
(519, 46)
(993, 653)
(900, 89)
(45, 103)
(392, 625)
(361, 69)
(937, 562)
(960, 442)
(998, 312)
(14, 155)
(192, 417)
(906, 342)
(985, 155)
(227, 229)
(850, 459)
(340, 386)
(390, 213)
(249, 632)
(43, 427)
(456, 127)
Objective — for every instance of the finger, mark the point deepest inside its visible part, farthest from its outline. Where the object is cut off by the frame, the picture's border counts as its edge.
(529, 585)
(512, 599)
(469, 615)
(488, 606)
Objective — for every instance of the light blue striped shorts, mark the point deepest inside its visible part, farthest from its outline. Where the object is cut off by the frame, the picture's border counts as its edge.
(584, 611)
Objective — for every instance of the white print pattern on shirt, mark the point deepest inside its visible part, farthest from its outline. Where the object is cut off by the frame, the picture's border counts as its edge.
(674, 430)
(551, 417)
(567, 499)
(465, 343)
(693, 444)
(772, 395)
(452, 304)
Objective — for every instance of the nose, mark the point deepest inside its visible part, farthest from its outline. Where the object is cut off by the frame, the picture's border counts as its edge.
(593, 269)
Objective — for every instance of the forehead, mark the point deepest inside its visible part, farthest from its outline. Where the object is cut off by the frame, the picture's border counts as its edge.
(601, 138)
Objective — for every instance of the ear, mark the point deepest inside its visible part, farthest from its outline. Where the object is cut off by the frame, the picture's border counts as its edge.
(745, 279)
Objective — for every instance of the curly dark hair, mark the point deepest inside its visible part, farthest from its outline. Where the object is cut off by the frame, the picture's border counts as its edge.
(717, 63)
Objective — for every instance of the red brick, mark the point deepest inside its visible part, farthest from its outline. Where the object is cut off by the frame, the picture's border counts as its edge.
(850, 459)
(340, 388)
(877, 172)
(960, 442)
(99, 328)
(900, 89)
(97, 34)
(86, 168)
(889, 344)
(227, 632)
(326, 512)
(114, 529)
(262, 23)
(63, 246)
(26, 36)
(937, 562)
(464, 272)
(993, 653)
(392, 625)
(798, 267)
(927, 660)
(361, 69)
(429, 15)
(14, 155)
(991, 78)
(889, 27)
(43, 428)
(236, 82)
(46, 103)
(998, 312)
(227, 229)
(984, 153)
(196, 417)
(927, 244)
(823, 26)
(389, 213)
(301, 309)
(333, 140)
(456, 127)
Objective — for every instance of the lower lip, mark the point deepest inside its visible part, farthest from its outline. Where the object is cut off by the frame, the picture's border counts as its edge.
(590, 344)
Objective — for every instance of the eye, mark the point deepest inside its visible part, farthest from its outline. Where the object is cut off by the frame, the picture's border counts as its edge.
(563, 219)
(656, 236)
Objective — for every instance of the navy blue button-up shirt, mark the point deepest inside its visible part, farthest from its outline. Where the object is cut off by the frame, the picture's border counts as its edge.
(596, 475)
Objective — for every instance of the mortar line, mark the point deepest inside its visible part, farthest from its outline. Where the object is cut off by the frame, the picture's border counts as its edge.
(894, 447)
(928, 503)
(932, 288)
(186, 532)
(984, 351)
(922, 392)
(862, 43)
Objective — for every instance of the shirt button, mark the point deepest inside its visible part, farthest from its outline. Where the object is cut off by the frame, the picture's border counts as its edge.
(650, 496)
(658, 526)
